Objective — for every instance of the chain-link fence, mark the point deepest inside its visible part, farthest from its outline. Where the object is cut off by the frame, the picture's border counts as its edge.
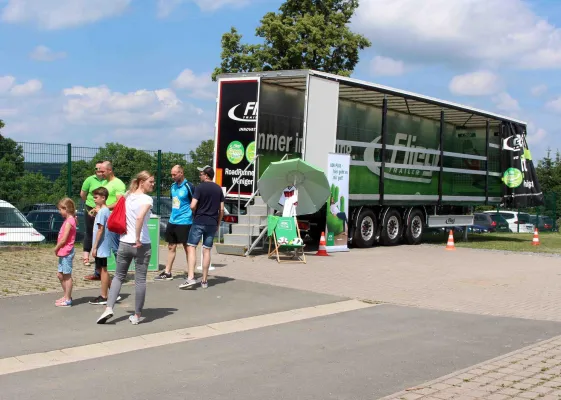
(35, 176)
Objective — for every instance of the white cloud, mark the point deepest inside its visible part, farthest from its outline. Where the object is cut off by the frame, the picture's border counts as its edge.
(538, 90)
(554, 105)
(384, 66)
(199, 86)
(28, 88)
(166, 7)
(474, 32)
(6, 83)
(43, 53)
(479, 83)
(505, 102)
(59, 14)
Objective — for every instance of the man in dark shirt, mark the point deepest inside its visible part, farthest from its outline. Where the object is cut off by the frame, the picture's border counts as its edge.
(208, 209)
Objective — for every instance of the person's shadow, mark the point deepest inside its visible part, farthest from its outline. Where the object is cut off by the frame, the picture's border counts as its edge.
(86, 300)
(148, 315)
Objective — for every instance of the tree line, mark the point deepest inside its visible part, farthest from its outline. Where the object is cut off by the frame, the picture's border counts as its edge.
(23, 183)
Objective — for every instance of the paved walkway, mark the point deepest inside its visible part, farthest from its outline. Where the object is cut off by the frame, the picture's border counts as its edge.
(472, 281)
(530, 373)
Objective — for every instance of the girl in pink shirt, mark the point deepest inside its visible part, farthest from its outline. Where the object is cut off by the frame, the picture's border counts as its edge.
(64, 250)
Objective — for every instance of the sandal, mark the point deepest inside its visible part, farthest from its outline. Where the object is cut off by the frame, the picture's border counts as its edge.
(86, 262)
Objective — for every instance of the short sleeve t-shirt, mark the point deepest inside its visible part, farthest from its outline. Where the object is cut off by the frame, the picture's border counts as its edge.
(90, 184)
(103, 244)
(67, 248)
(209, 196)
(134, 204)
(181, 195)
(115, 187)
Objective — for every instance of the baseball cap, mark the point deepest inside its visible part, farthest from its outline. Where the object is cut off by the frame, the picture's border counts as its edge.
(207, 169)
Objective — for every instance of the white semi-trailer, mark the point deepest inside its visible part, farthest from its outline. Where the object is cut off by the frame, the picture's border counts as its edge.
(416, 161)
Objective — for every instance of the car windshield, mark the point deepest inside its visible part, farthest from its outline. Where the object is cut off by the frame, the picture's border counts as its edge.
(12, 218)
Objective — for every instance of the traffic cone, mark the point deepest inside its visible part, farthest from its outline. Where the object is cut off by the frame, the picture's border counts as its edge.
(450, 245)
(322, 251)
(536, 239)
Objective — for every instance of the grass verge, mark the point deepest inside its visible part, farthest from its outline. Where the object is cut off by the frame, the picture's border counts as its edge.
(550, 243)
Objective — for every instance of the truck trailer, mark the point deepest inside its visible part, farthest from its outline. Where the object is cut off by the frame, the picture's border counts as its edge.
(416, 162)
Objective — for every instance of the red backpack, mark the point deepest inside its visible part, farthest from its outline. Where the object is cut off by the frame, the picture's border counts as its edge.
(117, 221)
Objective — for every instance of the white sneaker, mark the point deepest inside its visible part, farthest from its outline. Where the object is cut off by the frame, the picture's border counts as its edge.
(189, 283)
(108, 313)
(134, 319)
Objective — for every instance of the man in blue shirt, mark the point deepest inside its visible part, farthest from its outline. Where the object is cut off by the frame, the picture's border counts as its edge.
(180, 220)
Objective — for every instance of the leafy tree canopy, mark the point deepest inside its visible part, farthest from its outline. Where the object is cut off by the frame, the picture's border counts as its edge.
(304, 34)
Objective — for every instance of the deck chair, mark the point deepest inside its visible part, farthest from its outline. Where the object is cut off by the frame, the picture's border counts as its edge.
(284, 227)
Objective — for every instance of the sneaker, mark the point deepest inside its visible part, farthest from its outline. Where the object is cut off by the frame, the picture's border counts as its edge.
(134, 319)
(92, 277)
(64, 303)
(108, 313)
(204, 285)
(164, 277)
(188, 283)
(98, 301)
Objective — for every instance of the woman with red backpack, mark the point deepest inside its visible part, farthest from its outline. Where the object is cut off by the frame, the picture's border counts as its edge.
(130, 219)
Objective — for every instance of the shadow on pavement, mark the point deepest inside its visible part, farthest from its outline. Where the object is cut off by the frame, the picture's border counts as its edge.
(149, 315)
(85, 300)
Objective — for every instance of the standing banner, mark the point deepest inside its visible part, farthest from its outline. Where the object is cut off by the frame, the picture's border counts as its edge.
(337, 226)
(520, 181)
(236, 133)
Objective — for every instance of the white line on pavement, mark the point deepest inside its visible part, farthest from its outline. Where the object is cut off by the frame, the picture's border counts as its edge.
(28, 362)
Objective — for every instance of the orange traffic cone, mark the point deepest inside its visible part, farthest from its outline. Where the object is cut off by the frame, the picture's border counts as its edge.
(450, 245)
(536, 239)
(322, 251)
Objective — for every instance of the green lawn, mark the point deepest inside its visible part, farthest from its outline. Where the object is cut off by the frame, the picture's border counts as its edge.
(549, 242)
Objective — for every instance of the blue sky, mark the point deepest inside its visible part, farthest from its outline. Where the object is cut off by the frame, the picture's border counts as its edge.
(138, 71)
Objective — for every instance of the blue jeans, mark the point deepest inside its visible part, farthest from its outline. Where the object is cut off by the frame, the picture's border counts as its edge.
(65, 263)
(204, 232)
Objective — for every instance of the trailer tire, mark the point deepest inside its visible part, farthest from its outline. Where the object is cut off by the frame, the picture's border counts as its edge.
(392, 228)
(415, 227)
(366, 228)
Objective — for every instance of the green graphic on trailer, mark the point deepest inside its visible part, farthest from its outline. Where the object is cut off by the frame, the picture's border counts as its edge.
(415, 145)
(235, 152)
(250, 152)
(154, 232)
(513, 177)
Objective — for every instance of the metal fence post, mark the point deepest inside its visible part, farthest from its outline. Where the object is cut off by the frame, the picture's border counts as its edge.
(69, 170)
(159, 181)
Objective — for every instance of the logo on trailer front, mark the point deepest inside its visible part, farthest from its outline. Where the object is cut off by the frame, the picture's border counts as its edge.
(249, 115)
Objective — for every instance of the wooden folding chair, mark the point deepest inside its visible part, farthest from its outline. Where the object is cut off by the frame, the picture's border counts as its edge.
(285, 227)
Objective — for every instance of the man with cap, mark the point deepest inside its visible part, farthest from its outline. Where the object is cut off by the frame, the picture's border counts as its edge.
(208, 209)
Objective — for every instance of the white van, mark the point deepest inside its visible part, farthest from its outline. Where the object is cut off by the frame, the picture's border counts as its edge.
(517, 222)
(15, 228)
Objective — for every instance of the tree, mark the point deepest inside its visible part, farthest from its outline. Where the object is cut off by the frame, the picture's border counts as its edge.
(202, 156)
(304, 34)
(11, 167)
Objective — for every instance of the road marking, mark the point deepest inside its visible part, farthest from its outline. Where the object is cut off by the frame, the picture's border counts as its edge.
(29, 362)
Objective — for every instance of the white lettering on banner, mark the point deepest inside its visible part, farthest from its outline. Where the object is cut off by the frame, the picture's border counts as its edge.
(282, 143)
(250, 113)
(239, 174)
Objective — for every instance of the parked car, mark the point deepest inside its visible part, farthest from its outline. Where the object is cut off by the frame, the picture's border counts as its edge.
(501, 223)
(38, 206)
(543, 223)
(15, 228)
(517, 222)
(48, 223)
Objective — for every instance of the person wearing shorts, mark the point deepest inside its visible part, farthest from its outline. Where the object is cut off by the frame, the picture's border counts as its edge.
(180, 220)
(208, 207)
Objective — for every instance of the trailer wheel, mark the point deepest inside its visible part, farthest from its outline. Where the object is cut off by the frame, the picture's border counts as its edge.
(415, 227)
(365, 231)
(391, 228)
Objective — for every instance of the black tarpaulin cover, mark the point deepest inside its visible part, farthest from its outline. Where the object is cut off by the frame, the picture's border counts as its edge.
(520, 182)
